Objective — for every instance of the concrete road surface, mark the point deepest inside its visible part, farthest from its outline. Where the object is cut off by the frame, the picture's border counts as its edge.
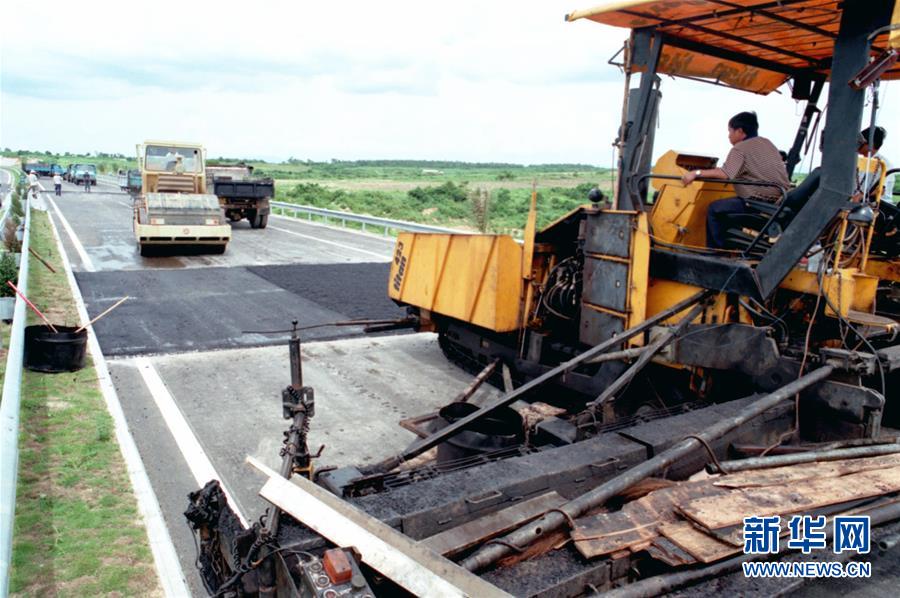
(200, 381)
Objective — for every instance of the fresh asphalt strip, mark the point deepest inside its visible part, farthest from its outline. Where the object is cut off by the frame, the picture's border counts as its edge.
(217, 308)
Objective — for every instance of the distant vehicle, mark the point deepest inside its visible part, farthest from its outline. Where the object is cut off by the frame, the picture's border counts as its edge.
(67, 175)
(80, 172)
(39, 168)
(134, 181)
(129, 180)
(240, 195)
(56, 169)
(174, 207)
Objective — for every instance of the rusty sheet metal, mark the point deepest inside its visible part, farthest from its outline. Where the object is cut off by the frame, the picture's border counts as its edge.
(635, 526)
(455, 540)
(729, 509)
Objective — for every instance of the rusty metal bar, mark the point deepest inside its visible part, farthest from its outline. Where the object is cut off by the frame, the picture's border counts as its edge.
(424, 444)
(646, 355)
(468, 391)
(615, 355)
(807, 457)
(527, 534)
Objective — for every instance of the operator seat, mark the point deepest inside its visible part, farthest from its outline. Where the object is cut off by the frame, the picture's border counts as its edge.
(759, 212)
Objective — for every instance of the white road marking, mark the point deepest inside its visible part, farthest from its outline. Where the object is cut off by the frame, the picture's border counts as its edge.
(168, 567)
(79, 248)
(385, 257)
(197, 460)
(122, 203)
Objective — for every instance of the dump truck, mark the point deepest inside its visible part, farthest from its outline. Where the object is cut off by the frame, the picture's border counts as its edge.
(662, 401)
(39, 168)
(173, 208)
(241, 195)
(82, 172)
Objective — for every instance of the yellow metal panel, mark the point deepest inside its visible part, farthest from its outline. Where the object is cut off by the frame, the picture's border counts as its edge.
(639, 276)
(846, 289)
(679, 212)
(473, 278)
(895, 20)
(884, 269)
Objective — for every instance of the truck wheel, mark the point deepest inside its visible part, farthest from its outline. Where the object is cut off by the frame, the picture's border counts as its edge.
(218, 249)
(261, 221)
(146, 250)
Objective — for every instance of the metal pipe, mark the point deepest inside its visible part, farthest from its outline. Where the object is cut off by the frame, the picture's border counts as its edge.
(616, 355)
(649, 351)
(756, 450)
(424, 444)
(9, 415)
(807, 457)
(662, 584)
(296, 360)
(550, 522)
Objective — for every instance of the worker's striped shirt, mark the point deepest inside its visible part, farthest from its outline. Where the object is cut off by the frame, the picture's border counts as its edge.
(756, 159)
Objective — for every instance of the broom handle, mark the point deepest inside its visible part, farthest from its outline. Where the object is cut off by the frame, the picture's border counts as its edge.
(31, 305)
(117, 304)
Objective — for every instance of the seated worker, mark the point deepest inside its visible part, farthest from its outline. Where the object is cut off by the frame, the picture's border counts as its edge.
(752, 158)
(863, 150)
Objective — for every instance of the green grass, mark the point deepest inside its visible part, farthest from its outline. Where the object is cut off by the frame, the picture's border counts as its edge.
(78, 531)
(411, 189)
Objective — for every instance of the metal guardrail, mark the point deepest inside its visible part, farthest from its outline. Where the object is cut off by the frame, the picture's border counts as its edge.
(385, 224)
(9, 415)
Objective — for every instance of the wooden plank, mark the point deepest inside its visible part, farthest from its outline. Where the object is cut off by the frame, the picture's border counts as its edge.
(729, 509)
(454, 540)
(636, 525)
(701, 546)
(413, 566)
(669, 553)
(795, 473)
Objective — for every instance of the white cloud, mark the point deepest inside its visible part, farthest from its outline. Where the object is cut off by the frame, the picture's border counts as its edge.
(489, 81)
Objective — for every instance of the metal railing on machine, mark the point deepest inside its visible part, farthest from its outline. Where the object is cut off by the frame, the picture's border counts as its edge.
(385, 224)
(9, 414)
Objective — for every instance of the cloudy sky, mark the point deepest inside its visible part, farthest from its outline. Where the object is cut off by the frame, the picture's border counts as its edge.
(464, 80)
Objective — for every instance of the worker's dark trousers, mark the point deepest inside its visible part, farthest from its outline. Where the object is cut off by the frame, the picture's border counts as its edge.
(716, 222)
(58, 189)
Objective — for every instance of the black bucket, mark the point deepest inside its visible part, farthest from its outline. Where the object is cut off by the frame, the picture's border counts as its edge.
(502, 428)
(48, 351)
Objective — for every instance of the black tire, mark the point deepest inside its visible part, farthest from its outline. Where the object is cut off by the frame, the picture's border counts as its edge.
(218, 249)
(261, 221)
(147, 251)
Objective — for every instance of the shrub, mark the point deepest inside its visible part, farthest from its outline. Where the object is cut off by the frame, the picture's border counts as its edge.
(10, 241)
(8, 271)
(435, 196)
(15, 207)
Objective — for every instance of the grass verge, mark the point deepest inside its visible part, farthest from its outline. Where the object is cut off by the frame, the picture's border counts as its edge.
(77, 530)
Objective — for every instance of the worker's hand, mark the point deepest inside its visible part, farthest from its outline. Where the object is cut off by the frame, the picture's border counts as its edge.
(688, 177)
(856, 197)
